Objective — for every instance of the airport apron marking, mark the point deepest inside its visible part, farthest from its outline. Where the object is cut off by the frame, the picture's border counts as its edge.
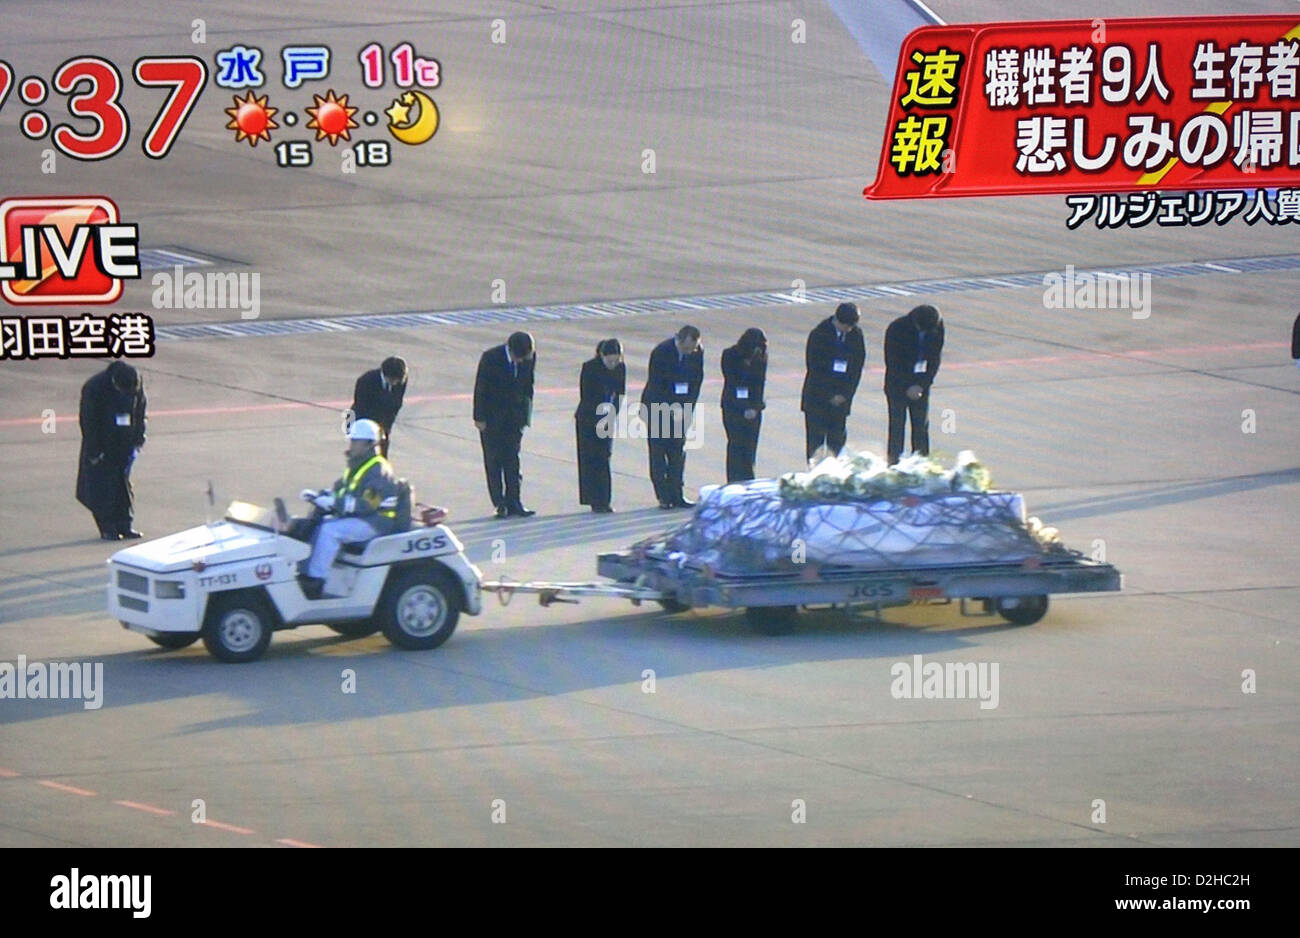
(677, 304)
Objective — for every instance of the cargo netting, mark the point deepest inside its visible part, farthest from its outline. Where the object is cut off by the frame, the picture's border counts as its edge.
(855, 511)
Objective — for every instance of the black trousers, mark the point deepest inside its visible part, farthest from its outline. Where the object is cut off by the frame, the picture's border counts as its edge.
(501, 463)
(899, 409)
(667, 468)
(594, 486)
(113, 501)
(117, 512)
(742, 445)
(828, 427)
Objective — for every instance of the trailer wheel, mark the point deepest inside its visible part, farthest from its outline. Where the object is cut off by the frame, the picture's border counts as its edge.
(672, 605)
(1022, 610)
(419, 609)
(772, 620)
(357, 629)
(174, 640)
(237, 627)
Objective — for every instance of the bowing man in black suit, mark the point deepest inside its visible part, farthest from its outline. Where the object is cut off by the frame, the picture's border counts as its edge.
(112, 432)
(503, 406)
(1295, 341)
(913, 347)
(668, 400)
(601, 386)
(378, 396)
(835, 357)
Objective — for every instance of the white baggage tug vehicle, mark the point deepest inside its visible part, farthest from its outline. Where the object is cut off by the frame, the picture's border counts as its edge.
(233, 582)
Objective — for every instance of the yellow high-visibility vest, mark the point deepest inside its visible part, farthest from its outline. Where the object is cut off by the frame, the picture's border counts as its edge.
(352, 480)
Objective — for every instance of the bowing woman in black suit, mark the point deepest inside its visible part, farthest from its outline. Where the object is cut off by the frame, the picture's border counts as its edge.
(602, 385)
(744, 374)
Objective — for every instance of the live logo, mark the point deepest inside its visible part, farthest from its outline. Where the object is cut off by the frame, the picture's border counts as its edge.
(65, 250)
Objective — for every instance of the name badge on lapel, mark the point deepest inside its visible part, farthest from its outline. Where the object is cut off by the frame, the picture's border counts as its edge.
(920, 368)
(742, 394)
(682, 387)
(840, 366)
(124, 420)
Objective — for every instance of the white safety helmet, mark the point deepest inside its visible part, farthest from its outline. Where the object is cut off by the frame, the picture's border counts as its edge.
(365, 430)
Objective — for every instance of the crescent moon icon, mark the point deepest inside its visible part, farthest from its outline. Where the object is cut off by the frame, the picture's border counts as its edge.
(424, 127)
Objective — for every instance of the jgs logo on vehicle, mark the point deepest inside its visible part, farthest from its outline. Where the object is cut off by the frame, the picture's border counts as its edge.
(421, 544)
(873, 591)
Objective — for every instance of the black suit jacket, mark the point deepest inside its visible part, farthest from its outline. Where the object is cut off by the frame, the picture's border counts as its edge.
(503, 399)
(822, 381)
(101, 405)
(598, 385)
(737, 374)
(901, 354)
(666, 371)
(371, 402)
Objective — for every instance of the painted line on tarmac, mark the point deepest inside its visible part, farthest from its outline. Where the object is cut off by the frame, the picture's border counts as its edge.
(147, 808)
(153, 809)
(340, 405)
(72, 790)
(412, 319)
(169, 257)
(880, 28)
(783, 376)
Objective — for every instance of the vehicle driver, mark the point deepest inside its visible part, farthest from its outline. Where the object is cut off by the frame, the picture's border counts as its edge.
(362, 505)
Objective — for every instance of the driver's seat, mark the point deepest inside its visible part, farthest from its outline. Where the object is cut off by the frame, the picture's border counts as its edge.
(405, 498)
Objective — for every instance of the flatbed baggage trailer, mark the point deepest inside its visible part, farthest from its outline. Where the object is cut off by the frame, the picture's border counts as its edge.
(1017, 591)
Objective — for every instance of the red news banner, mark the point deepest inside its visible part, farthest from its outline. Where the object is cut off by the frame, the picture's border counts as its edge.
(1073, 106)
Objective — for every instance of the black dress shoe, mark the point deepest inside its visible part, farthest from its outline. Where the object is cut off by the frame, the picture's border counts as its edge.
(666, 506)
(109, 536)
(131, 534)
(502, 511)
(602, 509)
(311, 586)
(519, 511)
(684, 503)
